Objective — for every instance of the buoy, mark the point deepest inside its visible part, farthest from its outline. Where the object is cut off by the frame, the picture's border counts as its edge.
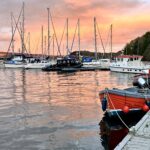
(104, 103)
(125, 109)
(145, 107)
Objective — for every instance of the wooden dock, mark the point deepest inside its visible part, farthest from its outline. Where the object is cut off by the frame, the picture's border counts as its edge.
(138, 137)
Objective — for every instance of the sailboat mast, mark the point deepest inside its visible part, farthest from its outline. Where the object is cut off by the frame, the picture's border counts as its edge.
(23, 28)
(79, 35)
(111, 40)
(95, 38)
(42, 40)
(48, 34)
(67, 38)
(12, 30)
(45, 47)
(29, 41)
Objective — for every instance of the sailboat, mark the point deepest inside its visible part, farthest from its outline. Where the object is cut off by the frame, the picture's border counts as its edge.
(96, 63)
(17, 60)
(42, 62)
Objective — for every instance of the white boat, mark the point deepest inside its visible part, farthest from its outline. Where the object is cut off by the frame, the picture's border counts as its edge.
(97, 64)
(16, 62)
(39, 64)
(129, 64)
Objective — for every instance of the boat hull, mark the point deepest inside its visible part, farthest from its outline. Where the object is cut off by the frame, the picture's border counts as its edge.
(130, 70)
(14, 65)
(118, 99)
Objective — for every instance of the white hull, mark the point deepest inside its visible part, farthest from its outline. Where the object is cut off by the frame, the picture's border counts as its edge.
(14, 65)
(100, 64)
(36, 65)
(130, 70)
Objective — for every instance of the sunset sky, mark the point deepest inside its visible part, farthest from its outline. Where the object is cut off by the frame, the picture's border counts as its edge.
(130, 19)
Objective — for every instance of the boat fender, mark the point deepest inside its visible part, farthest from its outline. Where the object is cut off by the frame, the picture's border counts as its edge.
(104, 103)
(126, 109)
(145, 108)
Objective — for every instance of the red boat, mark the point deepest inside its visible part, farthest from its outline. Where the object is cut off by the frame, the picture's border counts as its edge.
(130, 99)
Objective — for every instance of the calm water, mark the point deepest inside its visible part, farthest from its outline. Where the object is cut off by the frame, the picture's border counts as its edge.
(51, 111)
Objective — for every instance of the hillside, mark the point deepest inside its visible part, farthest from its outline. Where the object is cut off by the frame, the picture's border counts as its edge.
(139, 46)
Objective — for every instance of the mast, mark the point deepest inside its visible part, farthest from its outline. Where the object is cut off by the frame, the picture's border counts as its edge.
(45, 44)
(111, 40)
(29, 41)
(23, 28)
(67, 38)
(53, 45)
(48, 35)
(42, 40)
(12, 30)
(95, 38)
(79, 35)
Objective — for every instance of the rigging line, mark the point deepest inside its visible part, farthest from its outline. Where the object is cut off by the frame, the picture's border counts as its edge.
(74, 37)
(14, 32)
(116, 111)
(19, 31)
(107, 41)
(55, 34)
(100, 38)
(62, 35)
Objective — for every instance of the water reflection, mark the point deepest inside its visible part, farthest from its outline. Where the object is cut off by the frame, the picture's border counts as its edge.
(42, 110)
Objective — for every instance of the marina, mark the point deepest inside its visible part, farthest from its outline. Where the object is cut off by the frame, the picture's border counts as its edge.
(74, 75)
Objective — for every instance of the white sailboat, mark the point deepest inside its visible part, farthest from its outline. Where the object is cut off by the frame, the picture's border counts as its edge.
(17, 61)
(102, 64)
(42, 62)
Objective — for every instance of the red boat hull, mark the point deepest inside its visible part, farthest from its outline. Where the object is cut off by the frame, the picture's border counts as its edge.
(115, 101)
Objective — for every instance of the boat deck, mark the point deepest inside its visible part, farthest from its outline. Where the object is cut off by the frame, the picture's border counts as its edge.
(138, 137)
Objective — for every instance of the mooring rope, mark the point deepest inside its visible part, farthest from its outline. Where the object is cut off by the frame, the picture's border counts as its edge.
(116, 111)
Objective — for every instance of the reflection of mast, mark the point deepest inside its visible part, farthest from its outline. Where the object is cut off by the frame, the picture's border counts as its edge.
(95, 38)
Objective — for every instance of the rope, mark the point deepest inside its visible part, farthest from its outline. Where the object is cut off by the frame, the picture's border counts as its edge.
(116, 111)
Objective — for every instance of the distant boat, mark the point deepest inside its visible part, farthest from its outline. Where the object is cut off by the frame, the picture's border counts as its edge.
(129, 64)
(102, 64)
(16, 62)
(130, 99)
(39, 63)
(64, 64)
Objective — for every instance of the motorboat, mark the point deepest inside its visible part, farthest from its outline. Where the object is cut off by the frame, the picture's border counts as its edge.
(129, 64)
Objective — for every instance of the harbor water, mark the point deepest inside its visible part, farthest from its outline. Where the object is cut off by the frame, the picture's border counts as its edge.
(53, 111)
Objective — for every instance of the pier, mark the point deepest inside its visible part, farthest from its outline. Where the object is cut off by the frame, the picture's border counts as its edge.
(138, 137)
